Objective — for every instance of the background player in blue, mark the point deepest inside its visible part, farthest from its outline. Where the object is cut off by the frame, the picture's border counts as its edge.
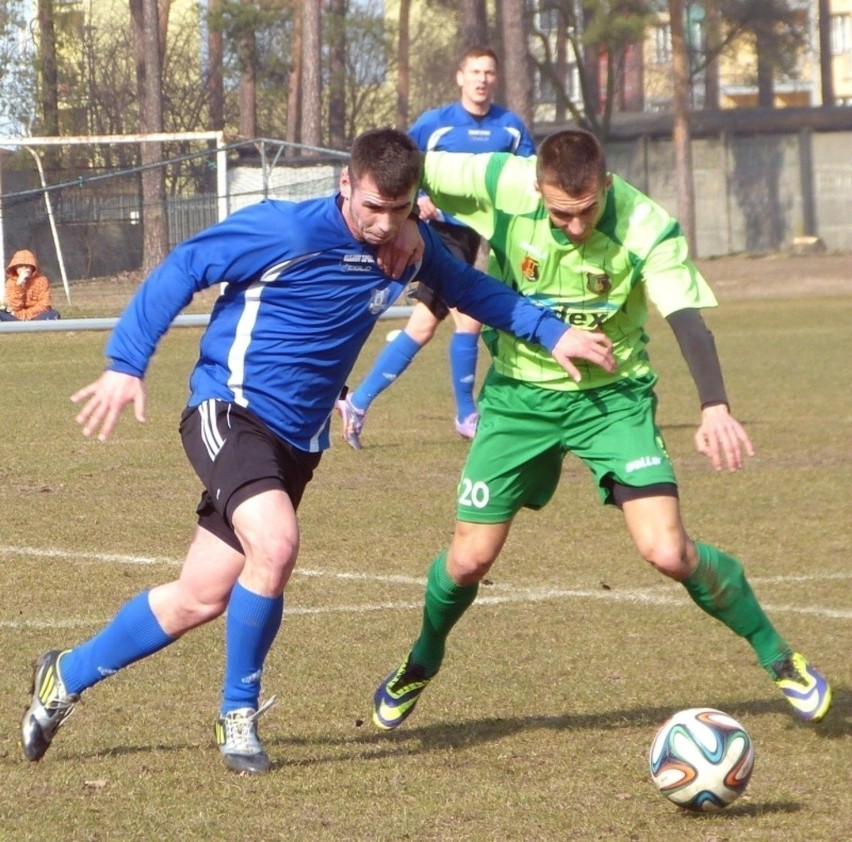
(473, 124)
(304, 288)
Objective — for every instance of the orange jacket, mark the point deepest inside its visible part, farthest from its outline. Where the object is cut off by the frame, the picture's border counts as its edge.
(32, 297)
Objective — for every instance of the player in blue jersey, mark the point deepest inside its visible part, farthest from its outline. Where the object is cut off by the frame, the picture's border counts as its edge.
(304, 288)
(472, 124)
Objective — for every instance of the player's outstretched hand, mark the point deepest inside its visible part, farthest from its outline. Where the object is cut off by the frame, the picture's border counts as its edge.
(722, 439)
(583, 345)
(399, 253)
(105, 398)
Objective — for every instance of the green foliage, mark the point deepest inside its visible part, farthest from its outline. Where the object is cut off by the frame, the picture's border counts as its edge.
(270, 24)
(614, 24)
(370, 67)
(779, 29)
(607, 26)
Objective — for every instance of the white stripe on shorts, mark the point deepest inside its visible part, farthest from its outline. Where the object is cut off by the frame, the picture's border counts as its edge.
(210, 435)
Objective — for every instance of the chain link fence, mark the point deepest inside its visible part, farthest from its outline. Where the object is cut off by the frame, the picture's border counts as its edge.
(82, 216)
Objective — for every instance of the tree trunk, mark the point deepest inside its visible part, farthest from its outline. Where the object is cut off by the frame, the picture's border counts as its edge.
(516, 64)
(561, 67)
(294, 97)
(765, 66)
(712, 46)
(500, 48)
(680, 135)
(336, 19)
(403, 65)
(47, 68)
(155, 239)
(474, 23)
(215, 84)
(591, 61)
(247, 51)
(311, 73)
(825, 69)
(164, 8)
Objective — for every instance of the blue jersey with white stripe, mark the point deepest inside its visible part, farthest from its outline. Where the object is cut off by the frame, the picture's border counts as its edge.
(302, 296)
(452, 128)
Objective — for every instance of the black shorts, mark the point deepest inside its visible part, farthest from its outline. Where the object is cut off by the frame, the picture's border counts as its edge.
(236, 456)
(463, 243)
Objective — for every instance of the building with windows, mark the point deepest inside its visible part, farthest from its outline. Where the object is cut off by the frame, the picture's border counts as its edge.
(841, 50)
(783, 59)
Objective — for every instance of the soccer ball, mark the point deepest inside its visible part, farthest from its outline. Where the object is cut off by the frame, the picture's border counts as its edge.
(702, 759)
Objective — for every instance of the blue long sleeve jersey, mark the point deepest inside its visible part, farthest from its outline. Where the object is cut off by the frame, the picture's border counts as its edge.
(452, 128)
(302, 296)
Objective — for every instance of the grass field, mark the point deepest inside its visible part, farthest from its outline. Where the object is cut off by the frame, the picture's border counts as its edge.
(555, 682)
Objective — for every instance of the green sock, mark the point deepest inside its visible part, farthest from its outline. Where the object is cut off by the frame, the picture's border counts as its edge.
(719, 587)
(445, 602)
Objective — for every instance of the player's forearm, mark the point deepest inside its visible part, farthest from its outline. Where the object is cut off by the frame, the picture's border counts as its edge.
(148, 316)
(454, 182)
(493, 303)
(699, 350)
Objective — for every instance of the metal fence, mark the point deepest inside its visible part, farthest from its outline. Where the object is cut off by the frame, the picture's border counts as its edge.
(87, 222)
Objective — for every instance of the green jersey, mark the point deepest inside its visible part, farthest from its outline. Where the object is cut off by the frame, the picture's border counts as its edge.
(636, 252)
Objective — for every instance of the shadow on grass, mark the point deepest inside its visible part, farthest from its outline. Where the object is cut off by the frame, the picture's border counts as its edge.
(412, 739)
(370, 744)
(745, 810)
(471, 732)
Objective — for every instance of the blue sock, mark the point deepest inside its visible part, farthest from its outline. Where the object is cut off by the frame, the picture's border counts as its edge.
(133, 633)
(464, 350)
(251, 625)
(395, 357)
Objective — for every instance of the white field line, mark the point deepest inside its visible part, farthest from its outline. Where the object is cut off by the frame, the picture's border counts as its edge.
(506, 594)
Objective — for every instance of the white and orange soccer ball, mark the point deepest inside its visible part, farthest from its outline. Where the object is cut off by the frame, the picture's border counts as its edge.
(702, 759)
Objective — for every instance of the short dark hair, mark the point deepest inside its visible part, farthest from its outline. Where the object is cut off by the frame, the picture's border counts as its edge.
(478, 51)
(572, 160)
(391, 157)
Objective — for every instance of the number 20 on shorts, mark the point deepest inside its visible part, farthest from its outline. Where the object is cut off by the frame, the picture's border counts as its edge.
(473, 493)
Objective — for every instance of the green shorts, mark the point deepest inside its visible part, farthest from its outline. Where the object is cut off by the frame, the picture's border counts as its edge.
(524, 432)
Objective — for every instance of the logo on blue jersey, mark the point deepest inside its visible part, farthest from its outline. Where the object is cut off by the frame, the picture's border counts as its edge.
(379, 300)
(358, 262)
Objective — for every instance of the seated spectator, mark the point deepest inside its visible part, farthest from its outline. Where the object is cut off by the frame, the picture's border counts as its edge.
(27, 290)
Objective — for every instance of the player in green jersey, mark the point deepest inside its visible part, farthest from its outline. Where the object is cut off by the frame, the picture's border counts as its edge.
(583, 242)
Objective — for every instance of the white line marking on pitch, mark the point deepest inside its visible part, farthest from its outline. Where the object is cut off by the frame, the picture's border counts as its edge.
(85, 556)
(367, 577)
(515, 594)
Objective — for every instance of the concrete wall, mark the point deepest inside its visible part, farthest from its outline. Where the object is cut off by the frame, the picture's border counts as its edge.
(832, 186)
(753, 193)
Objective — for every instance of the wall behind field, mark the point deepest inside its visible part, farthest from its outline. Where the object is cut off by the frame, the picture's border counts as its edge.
(761, 179)
(752, 194)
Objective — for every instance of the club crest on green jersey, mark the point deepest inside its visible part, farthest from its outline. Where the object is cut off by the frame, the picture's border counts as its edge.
(530, 268)
(598, 284)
